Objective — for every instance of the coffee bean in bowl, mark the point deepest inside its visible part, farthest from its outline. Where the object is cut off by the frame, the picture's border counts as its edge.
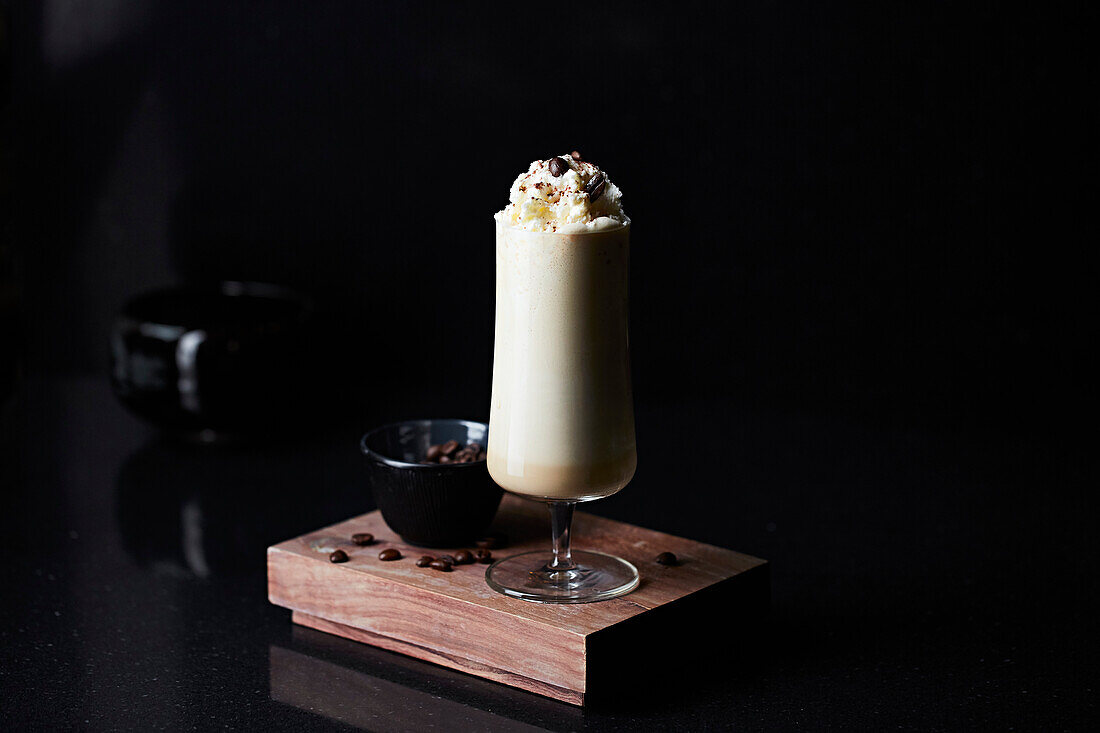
(451, 452)
(430, 480)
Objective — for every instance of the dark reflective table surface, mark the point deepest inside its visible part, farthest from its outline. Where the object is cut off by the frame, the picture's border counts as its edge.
(921, 579)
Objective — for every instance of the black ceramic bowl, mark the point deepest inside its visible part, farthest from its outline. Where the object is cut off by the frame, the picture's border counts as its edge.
(430, 505)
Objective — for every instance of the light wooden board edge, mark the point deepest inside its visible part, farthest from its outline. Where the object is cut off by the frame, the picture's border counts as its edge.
(451, 661)
(452, 627)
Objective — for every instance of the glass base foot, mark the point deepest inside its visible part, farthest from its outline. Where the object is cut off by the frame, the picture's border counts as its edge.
(596, 577)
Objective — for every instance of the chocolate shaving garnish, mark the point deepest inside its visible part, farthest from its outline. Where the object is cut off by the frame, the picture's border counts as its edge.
(595, 187)
(558, 167)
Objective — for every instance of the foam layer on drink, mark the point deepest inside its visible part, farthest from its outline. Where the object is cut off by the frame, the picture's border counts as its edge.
(562, 418)
(563, 194)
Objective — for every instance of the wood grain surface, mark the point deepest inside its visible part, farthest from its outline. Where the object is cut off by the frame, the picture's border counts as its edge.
(455, 620)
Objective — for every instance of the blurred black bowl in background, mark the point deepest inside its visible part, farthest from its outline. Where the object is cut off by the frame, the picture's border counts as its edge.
(433, 504)
(213, 363)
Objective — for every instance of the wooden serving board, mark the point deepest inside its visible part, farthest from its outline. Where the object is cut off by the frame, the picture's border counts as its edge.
(561, 651)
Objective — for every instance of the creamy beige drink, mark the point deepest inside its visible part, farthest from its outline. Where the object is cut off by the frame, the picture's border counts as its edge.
(561, 423)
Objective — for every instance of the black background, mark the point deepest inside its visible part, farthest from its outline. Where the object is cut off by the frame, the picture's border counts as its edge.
(860, 309)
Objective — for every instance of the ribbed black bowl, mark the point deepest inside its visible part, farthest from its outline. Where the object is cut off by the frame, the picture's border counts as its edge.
(430, 505)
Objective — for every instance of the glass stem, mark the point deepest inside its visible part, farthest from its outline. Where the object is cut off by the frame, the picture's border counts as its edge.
(561, 520)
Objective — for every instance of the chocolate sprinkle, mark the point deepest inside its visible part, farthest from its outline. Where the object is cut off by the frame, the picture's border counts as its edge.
(595, 187)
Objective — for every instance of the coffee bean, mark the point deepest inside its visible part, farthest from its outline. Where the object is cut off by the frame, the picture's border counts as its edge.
(448, 558)
(558, 166)
(338, 556)
(483, 555)
(575, 155)
(667, 558)
(595, 187)
(362, 538)
(441, 565)
(453, 452)
(463, 557)
(424, 561)
(389, 554)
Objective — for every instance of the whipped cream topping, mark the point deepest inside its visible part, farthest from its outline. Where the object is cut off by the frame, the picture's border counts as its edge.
(569, 202)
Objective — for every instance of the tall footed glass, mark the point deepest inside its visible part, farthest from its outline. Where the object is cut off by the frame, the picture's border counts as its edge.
(561, 424)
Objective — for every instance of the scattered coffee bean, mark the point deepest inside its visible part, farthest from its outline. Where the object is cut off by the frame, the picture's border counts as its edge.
(338, 556)
(483, 555)
(441, 565)
(389, 554)
(362, 538)
(667, 558)
(575, 155)
(424, 561)
(448, 558)
(558, 167)
(463, 557)
(434, 452)
(449, 447)
(595, 187)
